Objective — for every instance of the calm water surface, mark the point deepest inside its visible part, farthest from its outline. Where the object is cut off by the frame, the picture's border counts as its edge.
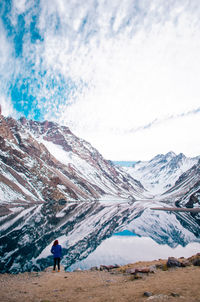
(126, 247)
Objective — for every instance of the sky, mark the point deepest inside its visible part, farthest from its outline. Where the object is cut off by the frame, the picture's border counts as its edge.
(121, 74)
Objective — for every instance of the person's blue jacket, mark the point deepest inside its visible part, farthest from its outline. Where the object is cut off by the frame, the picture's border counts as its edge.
(56, 250)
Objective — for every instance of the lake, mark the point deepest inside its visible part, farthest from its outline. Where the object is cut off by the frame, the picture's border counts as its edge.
(127, 247)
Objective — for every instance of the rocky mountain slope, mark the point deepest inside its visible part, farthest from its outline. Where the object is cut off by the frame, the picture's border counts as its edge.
(186, 191)
(56, 185)
(50, 181)
(160, 173)
(175, 181)
(45, 161)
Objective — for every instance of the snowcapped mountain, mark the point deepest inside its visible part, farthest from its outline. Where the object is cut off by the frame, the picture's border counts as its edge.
(160, 173)
(45, 161)
(186, 191)
(175, 181)
(56, 185)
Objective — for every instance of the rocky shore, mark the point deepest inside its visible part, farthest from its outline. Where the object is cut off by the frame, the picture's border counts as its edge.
(160, 280)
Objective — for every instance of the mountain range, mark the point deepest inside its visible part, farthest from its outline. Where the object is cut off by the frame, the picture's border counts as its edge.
(161, 172)
(56, 185)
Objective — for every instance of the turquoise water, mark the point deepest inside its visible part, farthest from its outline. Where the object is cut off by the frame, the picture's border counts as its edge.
(125, 233)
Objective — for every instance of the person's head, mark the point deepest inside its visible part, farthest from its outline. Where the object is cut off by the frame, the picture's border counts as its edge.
(55, 242)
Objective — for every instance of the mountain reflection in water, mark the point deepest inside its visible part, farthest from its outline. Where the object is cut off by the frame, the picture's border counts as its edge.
(126, 247)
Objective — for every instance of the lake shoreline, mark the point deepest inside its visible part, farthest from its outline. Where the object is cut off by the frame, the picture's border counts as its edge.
(164, 284)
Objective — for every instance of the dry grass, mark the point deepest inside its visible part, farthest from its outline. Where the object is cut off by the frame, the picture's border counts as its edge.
(180, 284)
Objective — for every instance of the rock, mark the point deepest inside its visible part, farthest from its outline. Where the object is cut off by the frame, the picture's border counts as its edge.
(136, 276)
(173, 262)
(131, 271)
(144, 270)
(108, 267)
(196, 262)
(103, 268)
(185, 263)
(152, 269)
(175, 295)
(159, 266)
(94, 268)
(147, 294)
(159, 298)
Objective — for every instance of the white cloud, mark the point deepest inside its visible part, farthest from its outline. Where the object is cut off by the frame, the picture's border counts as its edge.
(133, 77)
(132, 62)
(179, 135)
(7, 107)
(20, 5)
(6, 50)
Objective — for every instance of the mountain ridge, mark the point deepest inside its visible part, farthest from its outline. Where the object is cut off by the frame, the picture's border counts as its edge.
(162, 171)
(55, 185)
(46, 160)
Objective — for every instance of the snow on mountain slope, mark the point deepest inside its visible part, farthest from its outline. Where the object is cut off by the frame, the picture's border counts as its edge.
(55, 185)
(161, 172)
(186, 191)
(44, 161)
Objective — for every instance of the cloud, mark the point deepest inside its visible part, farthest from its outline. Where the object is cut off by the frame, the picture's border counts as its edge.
(177, 135)
(158, 121)
(7, 107)
(104, 68)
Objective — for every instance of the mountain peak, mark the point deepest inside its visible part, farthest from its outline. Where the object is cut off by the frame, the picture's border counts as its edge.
(162, 171)
(170, 154)
(181, 155)
(44, 161)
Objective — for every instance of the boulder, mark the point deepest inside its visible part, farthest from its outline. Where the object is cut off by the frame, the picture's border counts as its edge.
(108, 267)
(94, 268)
(175, 295)
(173, 262)
(196, 262)
(131, 271)
(148, 294)
(185, 263)
(143, 270)
(103, 268)
(159, 297)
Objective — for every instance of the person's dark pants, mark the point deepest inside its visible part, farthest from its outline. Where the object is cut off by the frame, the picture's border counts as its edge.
(56, 261)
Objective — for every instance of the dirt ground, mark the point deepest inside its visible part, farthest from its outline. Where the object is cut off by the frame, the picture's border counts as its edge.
(180, 284)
